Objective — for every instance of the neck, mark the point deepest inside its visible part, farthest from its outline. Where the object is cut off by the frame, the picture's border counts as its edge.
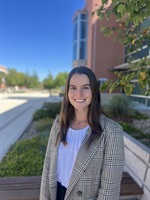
(81, 117)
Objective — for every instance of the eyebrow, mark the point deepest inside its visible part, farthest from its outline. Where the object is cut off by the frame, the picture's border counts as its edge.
(82, 85)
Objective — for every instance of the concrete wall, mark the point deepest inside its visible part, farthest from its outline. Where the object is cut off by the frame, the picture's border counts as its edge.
(137, 163)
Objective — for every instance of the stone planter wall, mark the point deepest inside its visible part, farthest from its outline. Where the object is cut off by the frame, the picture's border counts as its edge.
(137, 163)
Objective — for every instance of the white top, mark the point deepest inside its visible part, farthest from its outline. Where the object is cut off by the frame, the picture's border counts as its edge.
(67, 154)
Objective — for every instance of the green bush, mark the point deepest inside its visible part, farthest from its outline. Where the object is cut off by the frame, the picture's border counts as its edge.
(26, 157)
(48, 111)
(43, 124)
(120, 107)
(134, 114)
(136, 133)
(117, 106)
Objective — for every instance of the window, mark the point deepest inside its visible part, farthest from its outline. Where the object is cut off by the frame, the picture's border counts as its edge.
(101, 81)
(84, 16)
(80, 36)
(83, 30)
(82, 51)
(75, 32)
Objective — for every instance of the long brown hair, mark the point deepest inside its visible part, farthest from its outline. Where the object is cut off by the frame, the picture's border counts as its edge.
(67, 110)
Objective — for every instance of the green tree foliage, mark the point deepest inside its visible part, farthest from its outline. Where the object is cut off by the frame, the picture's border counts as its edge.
(133, 32)
(14, 78)
(48, 82)
(60, 79)
(32, 81)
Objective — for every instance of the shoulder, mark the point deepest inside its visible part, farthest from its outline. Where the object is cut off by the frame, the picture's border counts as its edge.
(110, 126)
(107, 122)
(55, 127)
(56, 121)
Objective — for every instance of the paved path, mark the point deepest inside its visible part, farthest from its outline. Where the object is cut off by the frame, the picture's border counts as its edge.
(13, 122)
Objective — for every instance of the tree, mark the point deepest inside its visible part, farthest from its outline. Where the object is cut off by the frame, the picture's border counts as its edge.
(130, 15)
(60, 79)
(14, 78)
(49, 83)
(32, 81)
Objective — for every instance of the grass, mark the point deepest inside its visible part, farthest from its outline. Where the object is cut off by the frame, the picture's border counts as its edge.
(26, 157)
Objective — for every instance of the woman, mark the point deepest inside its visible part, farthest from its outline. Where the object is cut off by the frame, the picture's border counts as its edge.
(85, 153)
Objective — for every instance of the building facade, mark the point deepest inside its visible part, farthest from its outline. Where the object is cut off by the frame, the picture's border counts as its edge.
(101, 54)
(3, 72)
(90, 47)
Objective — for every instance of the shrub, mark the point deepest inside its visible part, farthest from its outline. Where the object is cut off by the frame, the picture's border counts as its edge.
(43, 124)
(134, 114)
(48, 111)
(136, 133)
(26, 157)
(117, 106)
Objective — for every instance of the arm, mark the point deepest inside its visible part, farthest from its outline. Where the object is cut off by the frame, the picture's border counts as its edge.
(112, 165)
(44, 190)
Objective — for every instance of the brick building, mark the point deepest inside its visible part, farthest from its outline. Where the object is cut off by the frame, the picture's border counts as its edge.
(90, 47)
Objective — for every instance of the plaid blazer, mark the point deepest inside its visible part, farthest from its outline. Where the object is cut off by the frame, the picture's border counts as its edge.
(97, 171)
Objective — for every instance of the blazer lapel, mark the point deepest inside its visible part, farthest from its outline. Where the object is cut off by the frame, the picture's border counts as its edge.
(82, 160)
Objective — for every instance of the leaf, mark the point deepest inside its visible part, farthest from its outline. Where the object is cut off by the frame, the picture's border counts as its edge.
(133, 42)
(98, 12)
(112, 87)
(143, 76)
(147, 93)
(128, 89)
(143, 84)
(104, 1)
(121, 9)
(136, 6)
(103, 87)
(135, 20)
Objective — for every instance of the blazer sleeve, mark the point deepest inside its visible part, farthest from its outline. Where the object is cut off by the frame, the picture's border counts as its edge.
(113, 163)
(44, 189)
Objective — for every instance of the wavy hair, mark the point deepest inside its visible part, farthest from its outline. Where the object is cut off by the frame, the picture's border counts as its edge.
(67, 110)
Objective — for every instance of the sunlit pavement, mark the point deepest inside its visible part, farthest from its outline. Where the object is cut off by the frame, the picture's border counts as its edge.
(12, 100)
(16, 111)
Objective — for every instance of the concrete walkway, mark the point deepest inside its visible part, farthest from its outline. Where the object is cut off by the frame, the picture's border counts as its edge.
(15, 116)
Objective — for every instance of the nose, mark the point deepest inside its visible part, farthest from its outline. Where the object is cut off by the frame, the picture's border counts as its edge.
(79, 91)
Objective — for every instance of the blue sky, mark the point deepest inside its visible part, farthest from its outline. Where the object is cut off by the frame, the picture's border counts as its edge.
(36, 35)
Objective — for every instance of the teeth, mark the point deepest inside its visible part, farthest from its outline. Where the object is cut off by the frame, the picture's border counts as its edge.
(79, 100)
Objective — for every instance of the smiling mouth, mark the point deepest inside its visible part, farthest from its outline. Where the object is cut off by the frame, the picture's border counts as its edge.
(79, 101)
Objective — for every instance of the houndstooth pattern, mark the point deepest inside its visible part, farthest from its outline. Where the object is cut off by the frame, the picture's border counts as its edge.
(97, 171)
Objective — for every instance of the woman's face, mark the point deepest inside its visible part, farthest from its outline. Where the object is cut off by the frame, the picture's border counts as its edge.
(79, 93)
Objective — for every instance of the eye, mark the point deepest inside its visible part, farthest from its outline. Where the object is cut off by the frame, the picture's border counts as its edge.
(72, 88)
(86, 87)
